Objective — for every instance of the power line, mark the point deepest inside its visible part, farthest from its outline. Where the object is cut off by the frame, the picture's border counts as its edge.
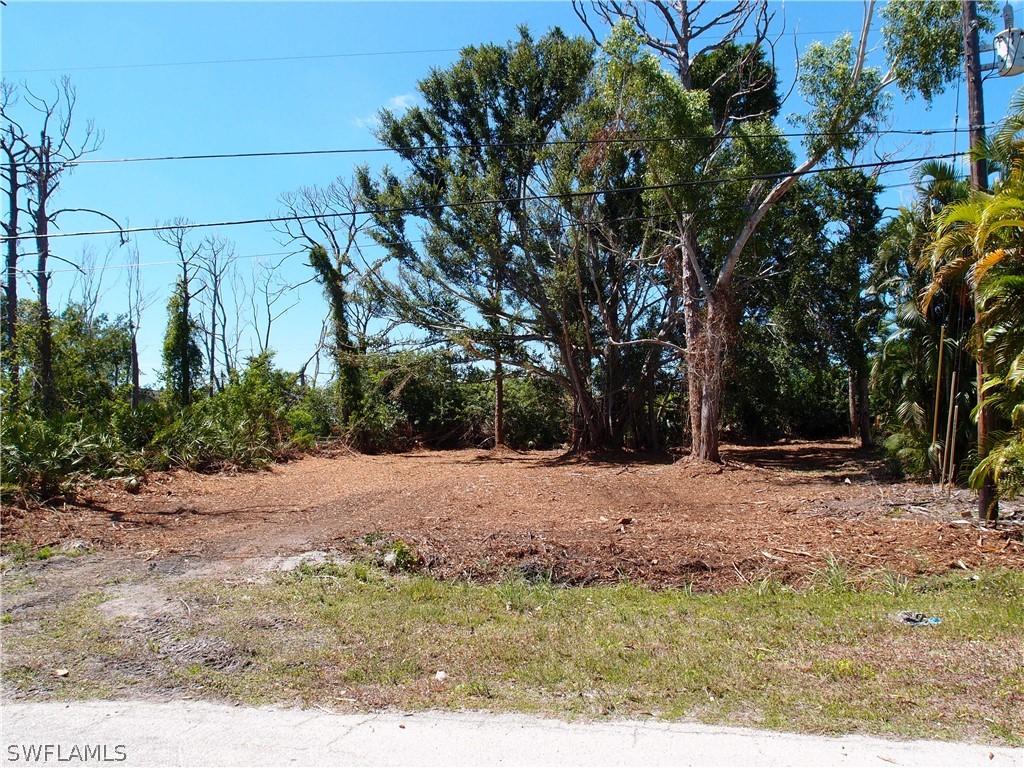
(551, 142)
(489, 201)
(308, 57)
(230, 61)
(132, 265)
(373, 244)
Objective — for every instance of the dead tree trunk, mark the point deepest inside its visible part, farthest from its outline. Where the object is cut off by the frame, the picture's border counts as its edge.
(45, 384)
(15, 149)
(136, 389)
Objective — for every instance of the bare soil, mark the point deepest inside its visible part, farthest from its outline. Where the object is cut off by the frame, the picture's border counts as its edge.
(780, 511)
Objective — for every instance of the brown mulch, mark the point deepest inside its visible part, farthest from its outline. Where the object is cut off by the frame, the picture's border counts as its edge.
(781, 510)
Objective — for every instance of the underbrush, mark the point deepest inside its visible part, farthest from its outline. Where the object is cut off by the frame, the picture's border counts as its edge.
(263, 415)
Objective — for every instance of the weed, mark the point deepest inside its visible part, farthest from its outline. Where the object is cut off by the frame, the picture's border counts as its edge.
(844, 669)
(514, 593)
(478, 688)
(401, 557)
(21, 552)
(769, 586)
(834, 577)
(521, 596)
(894, 584)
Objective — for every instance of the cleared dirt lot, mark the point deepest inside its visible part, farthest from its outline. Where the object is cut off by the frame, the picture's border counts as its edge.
(781, 511)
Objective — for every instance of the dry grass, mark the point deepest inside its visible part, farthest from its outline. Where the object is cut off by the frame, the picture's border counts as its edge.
(829, 658)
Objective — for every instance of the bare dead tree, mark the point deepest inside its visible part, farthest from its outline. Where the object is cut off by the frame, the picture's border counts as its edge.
(14, 145)
(89, 279)
(138, 302)
(681, 32)
(314, 359)
(235, 324)
(215, 262)
(324, 223)
(325, 216)
(269, 290)
(47, 163)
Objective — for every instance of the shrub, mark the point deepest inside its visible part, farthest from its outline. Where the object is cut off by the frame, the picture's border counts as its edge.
(243, 425)
(46, 457)
(314, 416)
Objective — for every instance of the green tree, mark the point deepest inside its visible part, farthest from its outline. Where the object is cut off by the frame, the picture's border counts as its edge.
(473, 148)
(183, 358)
(912, 392)
(346, 354)
(846, 100)
(324, 221)
(979, 242)
(849, 199)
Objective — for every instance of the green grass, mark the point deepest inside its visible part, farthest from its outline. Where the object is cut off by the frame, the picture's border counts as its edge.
(20, 552)
(829, 659)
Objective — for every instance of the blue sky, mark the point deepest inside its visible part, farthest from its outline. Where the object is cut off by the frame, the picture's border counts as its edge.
(145, 73)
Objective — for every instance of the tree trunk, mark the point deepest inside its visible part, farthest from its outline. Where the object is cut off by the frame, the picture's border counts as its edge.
(499, 402)
(211, 342)
(988, 500)
(851, 401)
(707, 387)
(44, 355)
(136, 389)
(860, 404)
(186, 363)
(706, 333)
(11, 288)
(587, 430)
(867, 439)
(706, 347)
(44, 360)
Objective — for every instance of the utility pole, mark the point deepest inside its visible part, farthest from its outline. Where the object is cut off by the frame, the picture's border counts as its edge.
(988, 503)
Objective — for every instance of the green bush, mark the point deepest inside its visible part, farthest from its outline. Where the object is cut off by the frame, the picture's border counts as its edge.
(536, 413)
(380, 427)
(314, 416)
(243, 426)
(1005, 466)
(46, 457)
(410, 397)
(139, 427)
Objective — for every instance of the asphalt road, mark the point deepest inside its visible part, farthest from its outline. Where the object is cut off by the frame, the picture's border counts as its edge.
(189, 733)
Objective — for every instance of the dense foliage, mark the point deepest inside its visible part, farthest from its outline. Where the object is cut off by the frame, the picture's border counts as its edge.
(604, 247)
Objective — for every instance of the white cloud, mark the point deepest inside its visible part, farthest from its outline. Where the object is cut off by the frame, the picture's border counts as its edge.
(402, 101)
(369, 123)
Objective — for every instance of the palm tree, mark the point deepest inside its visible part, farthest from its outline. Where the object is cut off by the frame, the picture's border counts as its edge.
(980, 242)
(905, 372)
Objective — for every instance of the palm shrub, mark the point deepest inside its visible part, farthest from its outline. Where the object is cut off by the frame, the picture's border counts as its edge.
(244, 425)
(46, 457)
(904, 369)
(1002, 301)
